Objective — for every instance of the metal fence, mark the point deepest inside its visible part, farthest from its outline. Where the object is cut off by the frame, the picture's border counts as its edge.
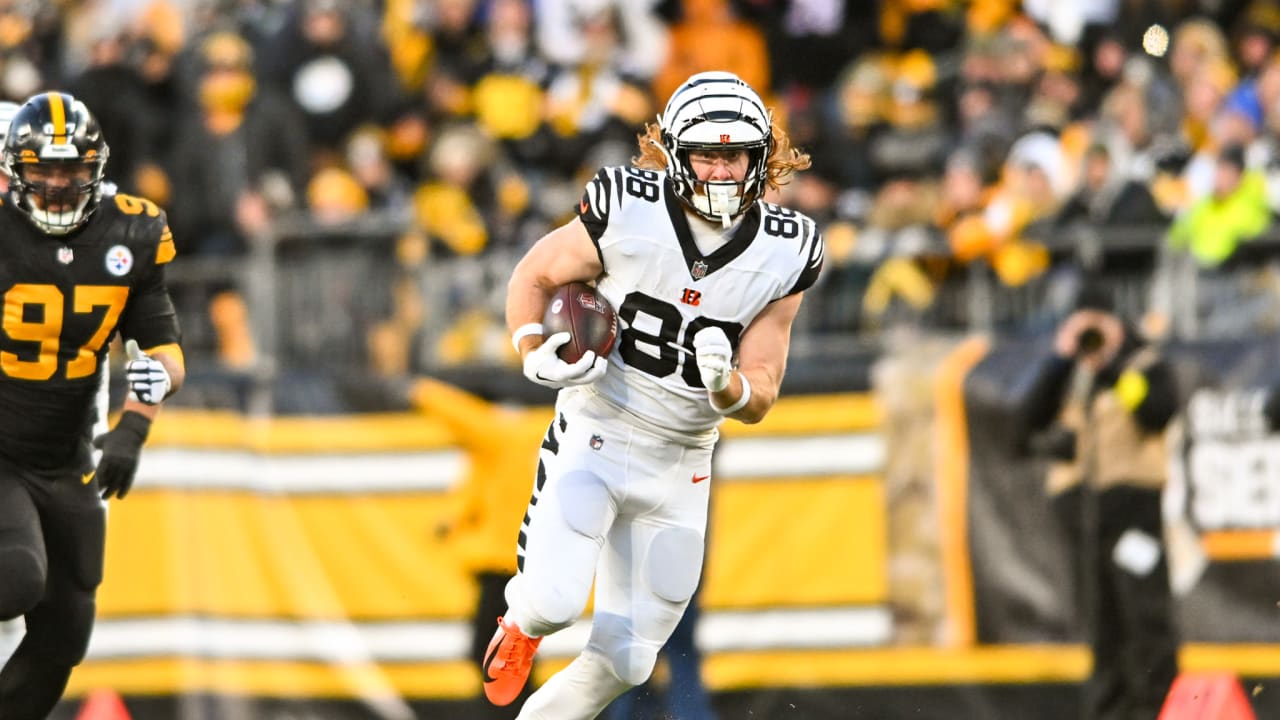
(321, 295)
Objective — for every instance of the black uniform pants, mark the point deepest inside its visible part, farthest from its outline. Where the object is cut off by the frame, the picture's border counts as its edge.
(1128, 614)
(52, 537)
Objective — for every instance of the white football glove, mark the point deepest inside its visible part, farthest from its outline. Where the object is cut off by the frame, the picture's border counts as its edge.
(544, 367)
(148, 380)
(714, 355)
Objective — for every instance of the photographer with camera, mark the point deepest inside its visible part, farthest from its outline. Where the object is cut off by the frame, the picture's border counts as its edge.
(1098, 413)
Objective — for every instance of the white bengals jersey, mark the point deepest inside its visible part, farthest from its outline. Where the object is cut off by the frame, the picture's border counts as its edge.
(665, 290)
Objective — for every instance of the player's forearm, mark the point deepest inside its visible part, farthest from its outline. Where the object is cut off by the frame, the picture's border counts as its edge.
(527, 298)
(764, 393)
(175, 365)
(148, 411)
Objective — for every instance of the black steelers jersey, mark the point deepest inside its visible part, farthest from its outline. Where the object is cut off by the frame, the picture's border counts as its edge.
(65, 298)
(665, 290)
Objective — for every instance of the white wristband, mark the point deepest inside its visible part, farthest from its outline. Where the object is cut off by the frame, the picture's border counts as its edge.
(524, 331)
(742, 401)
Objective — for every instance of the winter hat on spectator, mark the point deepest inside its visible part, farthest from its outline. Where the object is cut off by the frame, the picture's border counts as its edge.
(228, 83)
(911, 93)
(1092, 296)
(1041, 151)
(226, 50)
(333, 194)
(1243, 101)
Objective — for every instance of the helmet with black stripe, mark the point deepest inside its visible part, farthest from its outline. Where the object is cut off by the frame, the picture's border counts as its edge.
(715, 111)
(55, 156)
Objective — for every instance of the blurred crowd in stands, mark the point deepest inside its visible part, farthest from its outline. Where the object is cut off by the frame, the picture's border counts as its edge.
(946, 134)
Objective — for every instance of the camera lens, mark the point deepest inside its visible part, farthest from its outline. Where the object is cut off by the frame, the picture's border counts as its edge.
(1089, 340)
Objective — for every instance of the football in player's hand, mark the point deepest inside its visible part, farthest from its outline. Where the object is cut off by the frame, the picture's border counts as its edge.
(578, 309)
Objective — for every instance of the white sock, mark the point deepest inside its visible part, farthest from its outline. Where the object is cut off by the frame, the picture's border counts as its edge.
(581, 691)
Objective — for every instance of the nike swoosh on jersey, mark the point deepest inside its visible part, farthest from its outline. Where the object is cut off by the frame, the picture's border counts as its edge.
(88, 477)
(699, 478)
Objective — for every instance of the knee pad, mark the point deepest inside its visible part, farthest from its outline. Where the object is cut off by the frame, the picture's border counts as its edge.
(61, 629)
(673, 563)
(24, 572)
(633, 663)
(556, 592)
(628, 658)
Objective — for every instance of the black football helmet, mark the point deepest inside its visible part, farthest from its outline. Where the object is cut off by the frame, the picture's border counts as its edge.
(55, 156)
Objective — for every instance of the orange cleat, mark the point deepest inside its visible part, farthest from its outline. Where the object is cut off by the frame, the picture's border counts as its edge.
(507, 663)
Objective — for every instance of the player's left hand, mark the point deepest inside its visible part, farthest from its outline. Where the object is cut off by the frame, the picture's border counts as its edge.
(148, 380)
(714, 355)
(121, 448)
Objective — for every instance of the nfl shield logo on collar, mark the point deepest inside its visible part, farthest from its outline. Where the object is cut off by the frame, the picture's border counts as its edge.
(699, 270)
(65, 256)
(597, 442)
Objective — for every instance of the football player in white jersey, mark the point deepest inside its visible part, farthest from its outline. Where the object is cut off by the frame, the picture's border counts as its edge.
(707, 278)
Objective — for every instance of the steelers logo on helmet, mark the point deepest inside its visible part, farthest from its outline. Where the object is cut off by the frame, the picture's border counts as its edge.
(55, 156)
(716, 111)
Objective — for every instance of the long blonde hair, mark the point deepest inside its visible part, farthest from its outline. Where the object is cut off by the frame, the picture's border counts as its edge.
(783, 160)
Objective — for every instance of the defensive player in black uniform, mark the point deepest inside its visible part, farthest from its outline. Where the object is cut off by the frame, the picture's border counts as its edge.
(79, 266)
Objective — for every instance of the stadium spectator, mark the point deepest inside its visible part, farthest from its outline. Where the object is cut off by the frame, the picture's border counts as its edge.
(240, 144)
(597, 101)
(565, 39)
(811, 42)
(709, 34)
(325, 60)
(459, 59)
(1107, 196)
(508, 99)
(1236, 211)
(115, 89)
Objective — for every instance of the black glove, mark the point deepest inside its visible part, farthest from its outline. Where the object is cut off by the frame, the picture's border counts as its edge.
(121, 448)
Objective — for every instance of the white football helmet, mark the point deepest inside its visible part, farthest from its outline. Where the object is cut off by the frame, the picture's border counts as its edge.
(716, 111)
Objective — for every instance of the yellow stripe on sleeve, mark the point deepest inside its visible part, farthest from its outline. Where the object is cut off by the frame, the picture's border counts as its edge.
(166, 250)
(172, 350)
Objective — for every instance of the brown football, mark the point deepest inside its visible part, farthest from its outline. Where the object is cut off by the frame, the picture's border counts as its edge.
(578, 309)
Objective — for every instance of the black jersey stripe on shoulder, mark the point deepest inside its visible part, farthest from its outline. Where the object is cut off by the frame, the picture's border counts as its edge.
(593, 214)
(812, 267)
(617, 186)
(603, 190)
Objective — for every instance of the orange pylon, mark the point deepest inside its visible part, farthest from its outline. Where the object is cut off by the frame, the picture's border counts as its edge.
(1207, 696)
(103, 704)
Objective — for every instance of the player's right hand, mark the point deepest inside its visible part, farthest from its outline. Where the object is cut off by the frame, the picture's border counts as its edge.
(543, 366)
(121, 448)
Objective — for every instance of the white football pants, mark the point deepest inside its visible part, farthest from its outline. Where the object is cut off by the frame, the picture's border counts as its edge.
(606, 485)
